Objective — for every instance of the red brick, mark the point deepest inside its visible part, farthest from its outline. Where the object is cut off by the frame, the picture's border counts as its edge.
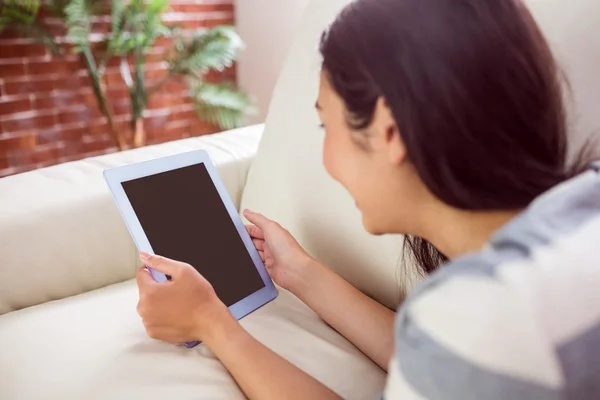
(61, 134)
(115, 62)
(4, 162)
(55, 27)
(175, 86)
(67, 84)
(16, 170)
(113, 78)
(163, 42)
(122, 107)
(10, 142)
(155, 72)
(27, 123)
(157, 55)
(28, 87)
(99, 127)
(177, 130)
(85, 81)
(74, 115)
(188, 25)
(101, 27)
(92, 104)
(172, 134)
(59, 100)
(183, 115)
(76, 157)
(211, 23)
(90, 144)
(42, 154)
(198, 8)
(47, 163)
(155, 124)
(53, 67)
(12, 70)
(98, 47)
(95, 111)
(180, 99)
(89, 98)
(199, 128)
(14, 106)
(165, 135)
(117, 92)
(213, 76)
(10, 34)
(123, 128)
(22, 50)
(159, 101)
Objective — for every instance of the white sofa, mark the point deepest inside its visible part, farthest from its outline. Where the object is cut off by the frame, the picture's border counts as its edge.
(68, 325)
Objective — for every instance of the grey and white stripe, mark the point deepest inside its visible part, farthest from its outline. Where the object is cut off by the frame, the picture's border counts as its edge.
(519, 320)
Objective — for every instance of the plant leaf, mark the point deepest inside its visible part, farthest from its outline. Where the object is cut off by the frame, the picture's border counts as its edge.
(216, 48)
(21, 16)
(20, 12)
(221, 104)
(78, 20)
(158, 6)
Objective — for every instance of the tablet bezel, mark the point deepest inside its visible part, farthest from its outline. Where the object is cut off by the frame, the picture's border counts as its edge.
(114, 178)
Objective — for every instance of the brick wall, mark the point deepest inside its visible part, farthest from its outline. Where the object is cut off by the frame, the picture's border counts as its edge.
(48, 113)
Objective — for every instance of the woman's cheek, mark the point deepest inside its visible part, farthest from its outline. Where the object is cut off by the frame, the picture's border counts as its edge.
(328, 157)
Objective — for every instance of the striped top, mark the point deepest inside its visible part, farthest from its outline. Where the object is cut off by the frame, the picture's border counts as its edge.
(518, 320)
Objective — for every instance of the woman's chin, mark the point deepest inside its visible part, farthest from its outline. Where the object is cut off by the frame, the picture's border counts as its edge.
(371, 227)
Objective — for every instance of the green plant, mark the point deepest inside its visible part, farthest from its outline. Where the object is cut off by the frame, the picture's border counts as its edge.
(135, 27)
(21, 16)
(78, 15)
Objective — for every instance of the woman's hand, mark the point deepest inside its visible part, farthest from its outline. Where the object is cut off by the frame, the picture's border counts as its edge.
(184, 309)
(283, 256)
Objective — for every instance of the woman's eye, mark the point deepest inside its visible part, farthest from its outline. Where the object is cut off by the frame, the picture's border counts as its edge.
(322, 126)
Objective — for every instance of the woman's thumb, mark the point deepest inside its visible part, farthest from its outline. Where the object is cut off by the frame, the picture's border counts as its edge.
(160, 264)
(257, 219)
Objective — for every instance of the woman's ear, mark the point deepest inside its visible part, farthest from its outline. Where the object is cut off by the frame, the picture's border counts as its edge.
(387, 133)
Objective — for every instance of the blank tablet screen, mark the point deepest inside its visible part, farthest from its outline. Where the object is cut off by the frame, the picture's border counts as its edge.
(185, 219)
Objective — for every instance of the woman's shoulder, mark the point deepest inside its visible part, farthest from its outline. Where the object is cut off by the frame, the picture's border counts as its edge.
(516, 320)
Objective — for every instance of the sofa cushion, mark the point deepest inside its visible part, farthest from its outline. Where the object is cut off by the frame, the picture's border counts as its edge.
(572, 31)
(93, 346)
(62, 233)
(287, 181)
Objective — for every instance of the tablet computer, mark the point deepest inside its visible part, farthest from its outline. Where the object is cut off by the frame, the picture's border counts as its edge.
(178, 207)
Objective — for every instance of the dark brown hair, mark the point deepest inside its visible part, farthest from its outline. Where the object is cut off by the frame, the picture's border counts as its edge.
(474, 90)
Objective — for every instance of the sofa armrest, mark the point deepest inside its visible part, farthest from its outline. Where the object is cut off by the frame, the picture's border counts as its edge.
(61, 232)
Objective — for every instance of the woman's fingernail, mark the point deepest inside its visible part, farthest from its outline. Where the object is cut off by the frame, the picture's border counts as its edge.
(144, 255)
(249, 211)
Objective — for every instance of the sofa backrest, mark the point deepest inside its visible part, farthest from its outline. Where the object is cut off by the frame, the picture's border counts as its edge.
(288, 183)
(61, 233)
(571, 28)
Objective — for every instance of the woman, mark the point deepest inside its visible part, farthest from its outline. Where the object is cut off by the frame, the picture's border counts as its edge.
(444, 121)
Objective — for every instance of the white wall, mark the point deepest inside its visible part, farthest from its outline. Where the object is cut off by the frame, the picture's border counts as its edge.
(267, 28)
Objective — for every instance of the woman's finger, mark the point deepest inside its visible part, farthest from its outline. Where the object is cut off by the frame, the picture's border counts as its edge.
(257, 219)
(162, 264)
(255, 232)
(144, 279)
(259, 244)
(262, 255)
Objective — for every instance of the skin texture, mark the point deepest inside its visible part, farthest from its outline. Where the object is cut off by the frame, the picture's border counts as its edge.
(374, 168)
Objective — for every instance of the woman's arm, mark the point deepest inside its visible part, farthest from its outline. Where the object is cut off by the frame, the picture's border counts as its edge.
(186, 309)
(360, 319)
(261, 373)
